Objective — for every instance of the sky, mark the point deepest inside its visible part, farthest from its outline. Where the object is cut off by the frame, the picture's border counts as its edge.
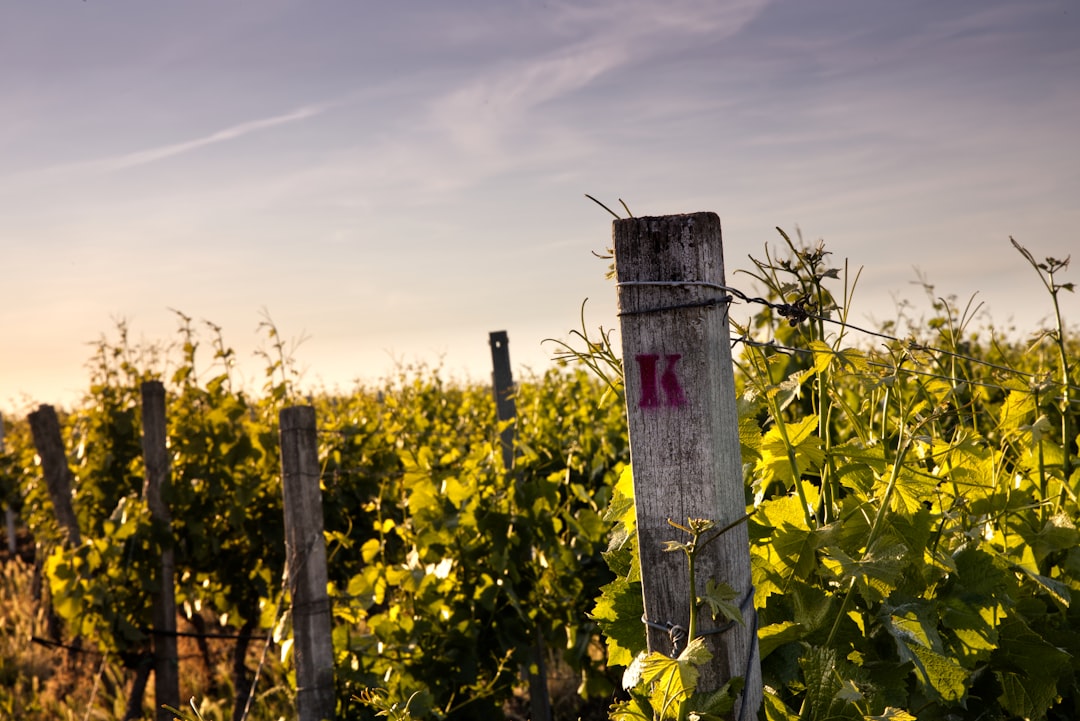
(390, 182)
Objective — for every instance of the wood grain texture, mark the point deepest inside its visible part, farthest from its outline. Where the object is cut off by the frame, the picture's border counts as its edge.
(684, 443)
(45, 428)
(156, 492)
(306, 557)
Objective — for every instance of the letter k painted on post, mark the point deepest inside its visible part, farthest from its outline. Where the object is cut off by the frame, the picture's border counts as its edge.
(652, 382)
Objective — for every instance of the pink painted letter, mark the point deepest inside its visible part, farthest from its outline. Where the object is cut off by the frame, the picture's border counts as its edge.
(668, 381)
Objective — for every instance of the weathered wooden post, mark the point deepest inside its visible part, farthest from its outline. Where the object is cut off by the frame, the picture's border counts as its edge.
(45, 428)
(9, 512)
(502, 378)
(156, 493)
(503, 384)
(305, 550)
(684, 443)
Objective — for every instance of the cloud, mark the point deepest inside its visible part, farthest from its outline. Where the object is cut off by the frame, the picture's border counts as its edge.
(138, 158)
(239, 130)
(515, 112)
(478, 115)
(608, 37)
(643, 19)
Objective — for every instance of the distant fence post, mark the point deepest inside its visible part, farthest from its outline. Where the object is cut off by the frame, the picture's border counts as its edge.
(45, 428)
(9, 512)
(505, 410)
(305, 549)
(503, 384)
(684, 443)
(156, 493)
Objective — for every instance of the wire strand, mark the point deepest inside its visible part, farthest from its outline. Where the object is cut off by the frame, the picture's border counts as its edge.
(785, 309)
(735, 340)
(798, 312)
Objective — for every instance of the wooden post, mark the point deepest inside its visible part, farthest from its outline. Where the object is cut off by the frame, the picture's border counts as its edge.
(684, 442)
(156, 493)
(45, 428)
(505, 410)
(305, 549)
(503, 384)
(9, 512)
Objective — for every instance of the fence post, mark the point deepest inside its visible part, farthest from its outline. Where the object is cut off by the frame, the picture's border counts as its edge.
(9, 512)
(505, 410)
(156, 493)
(684, 442)
(45, 428)
(503, 384)
(305, 550)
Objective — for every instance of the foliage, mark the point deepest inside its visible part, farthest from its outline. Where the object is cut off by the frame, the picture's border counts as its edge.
(661, 687)
(914, 539)
(914, 542)
(446, 569)
(465, 563)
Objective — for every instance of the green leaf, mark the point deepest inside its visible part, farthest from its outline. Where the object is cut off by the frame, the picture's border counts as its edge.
(1059, 533)
(913, 489)
(719, 597)
(914, 624)
(791, 554)
(849, 692)
(1024, 696)
(774, 635)
(636, 709)
(822, 680)
(813, 607)
(941, 674)
(823, 356)
(1017, 407)
(370, 550)
(618, 612)
(775, 462)
(775, 709)
(696, 653)
(878, 572)
(673, 680)
(1030, 667)
(1056, 589)
(718, 705)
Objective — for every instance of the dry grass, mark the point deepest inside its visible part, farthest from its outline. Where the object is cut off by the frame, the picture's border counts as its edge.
(39, 682)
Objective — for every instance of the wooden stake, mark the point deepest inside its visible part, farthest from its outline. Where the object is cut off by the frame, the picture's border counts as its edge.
(505, 410)
(9, 512)
(45, 428)
(684, 442)
(305, 549)
(503, 385)
(156, 493)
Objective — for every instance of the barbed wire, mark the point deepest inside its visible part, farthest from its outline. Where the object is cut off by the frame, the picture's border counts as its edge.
(799, 311)
(735, 340)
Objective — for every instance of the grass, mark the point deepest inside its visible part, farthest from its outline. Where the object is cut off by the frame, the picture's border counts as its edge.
(39, 682)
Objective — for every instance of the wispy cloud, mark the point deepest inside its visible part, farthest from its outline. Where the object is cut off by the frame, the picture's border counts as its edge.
(518, 111)
(608, 36)
(508, 112)
(99, 166)
(647, 18)
(239, 130)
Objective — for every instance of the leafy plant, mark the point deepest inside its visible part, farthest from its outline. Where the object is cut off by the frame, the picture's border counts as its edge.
(912, 544)
(914, 528)
(663, 687)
